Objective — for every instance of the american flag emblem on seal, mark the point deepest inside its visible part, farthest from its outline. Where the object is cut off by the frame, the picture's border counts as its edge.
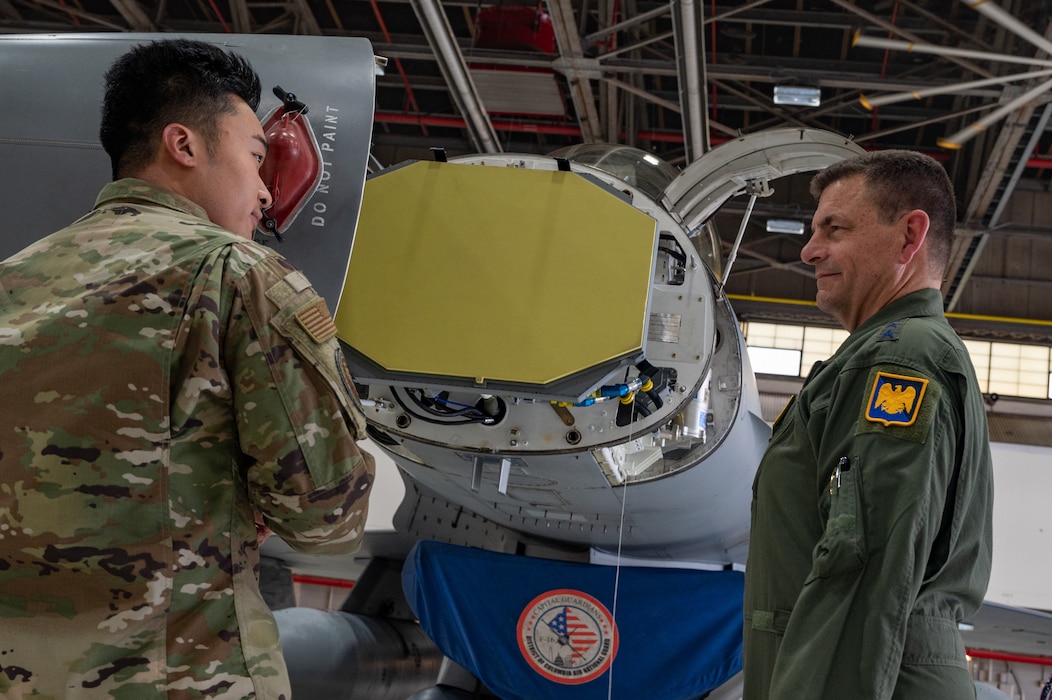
(567, 636)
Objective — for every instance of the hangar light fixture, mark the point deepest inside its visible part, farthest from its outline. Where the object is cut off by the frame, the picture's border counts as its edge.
(797, 95)
(795, 228)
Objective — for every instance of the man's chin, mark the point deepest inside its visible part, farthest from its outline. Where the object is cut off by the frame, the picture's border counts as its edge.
(825, 302)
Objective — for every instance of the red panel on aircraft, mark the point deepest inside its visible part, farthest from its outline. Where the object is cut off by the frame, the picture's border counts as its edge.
(292, 168)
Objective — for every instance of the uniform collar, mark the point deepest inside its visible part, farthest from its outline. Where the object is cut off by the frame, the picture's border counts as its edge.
(139, 190)
(924, 302)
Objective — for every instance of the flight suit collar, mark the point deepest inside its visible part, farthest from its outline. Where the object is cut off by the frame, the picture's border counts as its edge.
(925, 302)
(889, 320)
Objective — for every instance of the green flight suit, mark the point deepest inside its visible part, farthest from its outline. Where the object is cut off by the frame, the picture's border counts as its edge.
(871, 520)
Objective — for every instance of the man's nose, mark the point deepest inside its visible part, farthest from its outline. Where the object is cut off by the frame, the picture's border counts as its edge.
(811, 252)
(265, 200)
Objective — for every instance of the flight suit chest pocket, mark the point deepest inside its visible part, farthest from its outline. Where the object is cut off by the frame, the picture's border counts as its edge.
(842, 547)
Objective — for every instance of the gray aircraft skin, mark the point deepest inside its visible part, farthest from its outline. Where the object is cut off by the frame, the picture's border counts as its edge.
(640, 448)
(54, 165)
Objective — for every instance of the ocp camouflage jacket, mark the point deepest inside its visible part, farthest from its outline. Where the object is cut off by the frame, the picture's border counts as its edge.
(162, 381)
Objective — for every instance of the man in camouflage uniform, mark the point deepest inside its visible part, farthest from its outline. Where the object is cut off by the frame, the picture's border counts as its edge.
(167, 383)
(872, 507)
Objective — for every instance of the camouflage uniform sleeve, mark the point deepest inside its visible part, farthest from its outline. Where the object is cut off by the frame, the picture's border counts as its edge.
(298, 415)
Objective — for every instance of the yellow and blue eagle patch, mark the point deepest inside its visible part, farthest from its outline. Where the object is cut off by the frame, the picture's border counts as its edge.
(897, 404)
(895, 399)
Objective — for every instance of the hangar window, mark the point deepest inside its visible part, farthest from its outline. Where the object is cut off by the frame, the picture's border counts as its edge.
(980, 354)
(774, 348)
(820, 344)
(775, 361)
(1013, 370)
(1007, 369)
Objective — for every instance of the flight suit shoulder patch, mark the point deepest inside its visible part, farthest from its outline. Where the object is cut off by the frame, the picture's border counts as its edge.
(898, 404)
(314, 318)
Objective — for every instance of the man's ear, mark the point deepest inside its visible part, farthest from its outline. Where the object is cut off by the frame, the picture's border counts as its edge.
(916, 223)
(181, 144)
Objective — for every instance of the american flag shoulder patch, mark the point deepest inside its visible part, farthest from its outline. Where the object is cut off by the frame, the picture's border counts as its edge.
(315, 319)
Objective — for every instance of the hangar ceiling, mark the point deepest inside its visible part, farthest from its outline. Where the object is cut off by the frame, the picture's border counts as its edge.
(676, 78)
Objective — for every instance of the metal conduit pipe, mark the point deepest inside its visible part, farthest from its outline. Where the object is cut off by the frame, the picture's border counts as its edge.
(945, 51)
(959, 138)
(691, 65)
(1002, 17)
(340, 656)
(455, 71)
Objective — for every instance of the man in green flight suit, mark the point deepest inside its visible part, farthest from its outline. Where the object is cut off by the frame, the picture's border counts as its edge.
(871, 513)
(169, 387)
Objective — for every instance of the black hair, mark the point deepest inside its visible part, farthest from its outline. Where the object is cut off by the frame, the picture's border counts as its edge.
(899, 181)
(168, 81)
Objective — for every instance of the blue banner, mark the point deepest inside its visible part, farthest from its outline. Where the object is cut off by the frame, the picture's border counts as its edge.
(534, 628)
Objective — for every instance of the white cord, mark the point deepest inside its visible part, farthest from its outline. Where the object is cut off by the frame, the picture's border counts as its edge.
(617, 582)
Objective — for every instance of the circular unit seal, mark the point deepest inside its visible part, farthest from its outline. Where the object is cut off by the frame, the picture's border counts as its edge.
(567, 636)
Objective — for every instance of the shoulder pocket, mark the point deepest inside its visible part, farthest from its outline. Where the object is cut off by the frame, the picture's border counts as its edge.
(842, 548)
(303, 319)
